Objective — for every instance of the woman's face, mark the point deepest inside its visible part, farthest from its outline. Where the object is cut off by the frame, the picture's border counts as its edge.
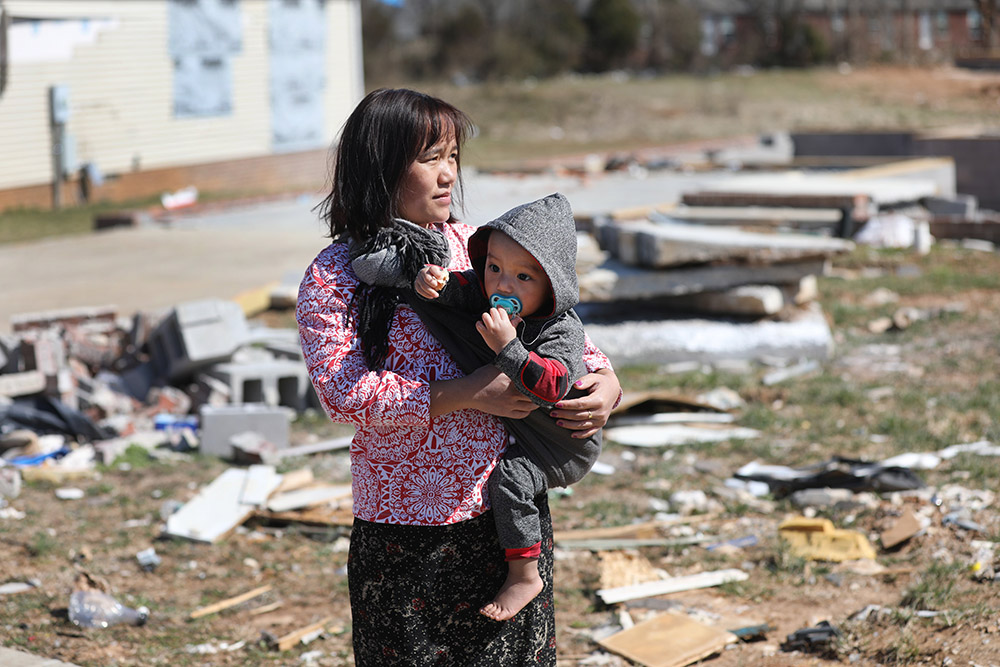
(425, 192)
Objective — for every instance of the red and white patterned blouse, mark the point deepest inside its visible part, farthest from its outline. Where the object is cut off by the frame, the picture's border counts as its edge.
(406, 467)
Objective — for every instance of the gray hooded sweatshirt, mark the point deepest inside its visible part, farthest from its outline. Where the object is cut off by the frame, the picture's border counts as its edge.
(545, 358)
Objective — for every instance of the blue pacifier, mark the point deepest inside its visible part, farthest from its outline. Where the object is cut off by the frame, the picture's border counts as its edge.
(509, 303)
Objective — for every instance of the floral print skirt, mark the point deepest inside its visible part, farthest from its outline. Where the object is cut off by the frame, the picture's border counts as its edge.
(416, 592)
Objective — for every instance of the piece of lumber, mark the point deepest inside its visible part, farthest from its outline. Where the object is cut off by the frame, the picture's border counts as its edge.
(308, 497)
(229, 602)
(668, 640)
(295, 479)
(267, 608)
(672, 585)
(293, 638)
(317, 516)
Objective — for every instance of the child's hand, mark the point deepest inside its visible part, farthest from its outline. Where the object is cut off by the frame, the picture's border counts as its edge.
(430, 281)
(497, 329)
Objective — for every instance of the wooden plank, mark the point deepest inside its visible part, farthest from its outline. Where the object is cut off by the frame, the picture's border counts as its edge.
(293, 638)
(229, 602)
(267, 608)
(318, 516)
(308, 497)
(295, 479)
(672, 585)
(668, 640)
(214, 511)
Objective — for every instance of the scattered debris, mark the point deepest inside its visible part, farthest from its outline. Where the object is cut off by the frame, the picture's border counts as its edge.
(837, 473)
(816, 638)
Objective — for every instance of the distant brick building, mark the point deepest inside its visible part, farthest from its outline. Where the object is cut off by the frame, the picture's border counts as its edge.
(128, 98)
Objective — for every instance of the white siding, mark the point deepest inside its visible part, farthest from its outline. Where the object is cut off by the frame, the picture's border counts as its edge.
(121, 92)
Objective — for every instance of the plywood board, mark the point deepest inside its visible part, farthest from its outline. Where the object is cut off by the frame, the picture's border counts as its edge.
(668, 640)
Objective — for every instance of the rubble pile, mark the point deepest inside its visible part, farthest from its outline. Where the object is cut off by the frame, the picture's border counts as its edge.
(78, 386)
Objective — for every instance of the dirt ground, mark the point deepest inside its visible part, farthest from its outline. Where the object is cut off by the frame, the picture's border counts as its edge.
(929, 386)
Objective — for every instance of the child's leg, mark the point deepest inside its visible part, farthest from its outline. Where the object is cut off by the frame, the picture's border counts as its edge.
(513, 486)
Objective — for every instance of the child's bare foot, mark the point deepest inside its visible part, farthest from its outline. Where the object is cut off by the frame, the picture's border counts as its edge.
(522, 585)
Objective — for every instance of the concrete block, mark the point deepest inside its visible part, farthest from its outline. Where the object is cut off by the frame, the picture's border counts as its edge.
(197, 334)
(274, 382)
(220, 423)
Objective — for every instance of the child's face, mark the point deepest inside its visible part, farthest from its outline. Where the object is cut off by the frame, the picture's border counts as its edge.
(513, 271)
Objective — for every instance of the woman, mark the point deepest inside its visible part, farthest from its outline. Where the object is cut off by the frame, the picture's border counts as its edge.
(424, 551)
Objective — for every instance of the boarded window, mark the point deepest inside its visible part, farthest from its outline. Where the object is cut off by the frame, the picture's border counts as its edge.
(202, 37)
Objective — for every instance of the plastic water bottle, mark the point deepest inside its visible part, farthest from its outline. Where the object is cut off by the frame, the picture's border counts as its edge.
(94, 609)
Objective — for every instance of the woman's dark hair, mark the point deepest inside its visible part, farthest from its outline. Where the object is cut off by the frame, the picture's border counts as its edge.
(384, 134)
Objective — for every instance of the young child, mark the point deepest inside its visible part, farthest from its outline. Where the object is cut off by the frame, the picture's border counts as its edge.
(513, 309)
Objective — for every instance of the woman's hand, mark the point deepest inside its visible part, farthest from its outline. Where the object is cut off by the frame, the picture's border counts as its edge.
(588, 414)
(485, 389)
